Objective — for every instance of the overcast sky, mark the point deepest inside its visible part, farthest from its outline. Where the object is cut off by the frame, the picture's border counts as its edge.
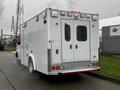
(106, 8)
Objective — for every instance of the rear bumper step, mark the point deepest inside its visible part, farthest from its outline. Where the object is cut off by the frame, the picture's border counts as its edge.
(73, 71)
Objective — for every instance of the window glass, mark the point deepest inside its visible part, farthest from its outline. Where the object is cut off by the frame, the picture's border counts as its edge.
(67, 32)
(81, 33)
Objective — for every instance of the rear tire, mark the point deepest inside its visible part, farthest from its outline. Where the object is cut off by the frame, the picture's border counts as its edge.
(31, 67)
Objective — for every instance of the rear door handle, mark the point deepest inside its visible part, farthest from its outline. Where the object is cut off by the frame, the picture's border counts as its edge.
(76, 46)
(70, 46)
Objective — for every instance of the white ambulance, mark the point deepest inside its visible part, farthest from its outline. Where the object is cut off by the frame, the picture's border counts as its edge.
(58, 42)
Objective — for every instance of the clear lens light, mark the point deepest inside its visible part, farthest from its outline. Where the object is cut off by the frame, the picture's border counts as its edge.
(82, 15)
(63, 13)
(76, 14)
(62, 67)
(54, 13)
(69, 14)
(88, 16)
(95, 18)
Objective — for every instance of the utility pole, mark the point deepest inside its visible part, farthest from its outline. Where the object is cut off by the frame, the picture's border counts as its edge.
(13, 26)
(13, 33)
(20, 16)
(17, 20)
(1, 35)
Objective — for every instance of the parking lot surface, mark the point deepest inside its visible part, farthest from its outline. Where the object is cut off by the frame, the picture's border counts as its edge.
(16, 77)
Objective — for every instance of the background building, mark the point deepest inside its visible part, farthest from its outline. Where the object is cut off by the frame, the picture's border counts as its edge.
(110, 35)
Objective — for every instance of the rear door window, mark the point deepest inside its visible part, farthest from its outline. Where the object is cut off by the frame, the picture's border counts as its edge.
(67, 32)
(81, 33)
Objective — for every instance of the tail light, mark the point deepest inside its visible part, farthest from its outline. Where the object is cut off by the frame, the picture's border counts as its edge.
(56, 67)
(53, 68)
(95, 64)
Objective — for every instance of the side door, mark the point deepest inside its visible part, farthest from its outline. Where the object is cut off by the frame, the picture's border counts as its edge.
(81, 40)
(67, 40)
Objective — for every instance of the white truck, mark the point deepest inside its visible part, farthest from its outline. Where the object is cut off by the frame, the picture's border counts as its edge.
(58, 42)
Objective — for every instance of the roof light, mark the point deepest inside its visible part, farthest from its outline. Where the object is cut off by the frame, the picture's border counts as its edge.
(95, 17)
(69, 14)
(54, 13)
(62, 13)
(82, 15)
(88, 16)
(75, 11)
(76, 14)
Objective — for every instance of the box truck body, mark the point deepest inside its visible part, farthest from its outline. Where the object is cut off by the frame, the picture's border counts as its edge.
(59, 42)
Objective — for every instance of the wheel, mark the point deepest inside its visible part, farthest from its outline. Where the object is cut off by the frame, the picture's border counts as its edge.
(18, 61)
(31, 67)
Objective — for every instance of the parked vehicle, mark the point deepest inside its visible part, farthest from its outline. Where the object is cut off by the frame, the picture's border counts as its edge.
(1, 46)
(58, 42)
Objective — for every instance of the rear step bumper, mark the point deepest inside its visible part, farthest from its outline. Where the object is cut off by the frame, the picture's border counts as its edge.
(73, 71)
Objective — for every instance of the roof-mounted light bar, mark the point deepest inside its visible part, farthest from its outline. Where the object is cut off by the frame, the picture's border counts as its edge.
(76, 14)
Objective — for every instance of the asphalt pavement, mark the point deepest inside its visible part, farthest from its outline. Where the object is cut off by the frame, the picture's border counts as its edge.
(16, 77)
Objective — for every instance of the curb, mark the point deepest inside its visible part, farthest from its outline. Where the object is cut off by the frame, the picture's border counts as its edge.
(108, 78)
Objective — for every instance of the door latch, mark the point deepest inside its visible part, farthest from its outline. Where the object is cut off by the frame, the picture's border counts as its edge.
(76, 46)
(70, 46)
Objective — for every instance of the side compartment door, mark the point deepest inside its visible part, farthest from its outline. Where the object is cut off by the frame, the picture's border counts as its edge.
(20, 47)
(81, 41)
(25, 49)
(67, 40)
